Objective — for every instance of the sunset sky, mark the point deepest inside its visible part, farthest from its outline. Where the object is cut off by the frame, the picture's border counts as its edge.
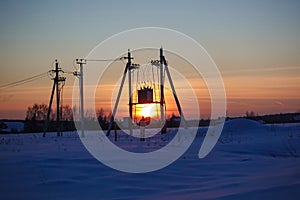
(255, 44)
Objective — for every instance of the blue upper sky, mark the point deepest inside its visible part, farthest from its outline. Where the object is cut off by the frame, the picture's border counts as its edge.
(254, 30)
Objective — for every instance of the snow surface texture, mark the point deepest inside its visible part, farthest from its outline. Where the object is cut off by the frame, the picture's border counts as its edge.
(250, 161)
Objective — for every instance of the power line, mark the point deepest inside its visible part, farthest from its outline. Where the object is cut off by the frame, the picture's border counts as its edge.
(104, 60)
(42, 75)
(23, 81)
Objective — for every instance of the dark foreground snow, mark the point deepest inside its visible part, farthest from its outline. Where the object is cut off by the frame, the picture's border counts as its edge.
(250, 161)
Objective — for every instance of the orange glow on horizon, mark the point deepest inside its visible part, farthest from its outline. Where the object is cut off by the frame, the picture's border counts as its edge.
(147, 110)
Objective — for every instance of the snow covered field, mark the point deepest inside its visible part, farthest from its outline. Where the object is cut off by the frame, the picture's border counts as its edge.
(250, 161)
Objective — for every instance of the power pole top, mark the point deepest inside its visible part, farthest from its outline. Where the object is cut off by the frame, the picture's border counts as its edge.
(81, 61)
(128, 57)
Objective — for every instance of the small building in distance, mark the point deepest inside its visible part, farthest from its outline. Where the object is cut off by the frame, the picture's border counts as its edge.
(297, 117)
(11, 126)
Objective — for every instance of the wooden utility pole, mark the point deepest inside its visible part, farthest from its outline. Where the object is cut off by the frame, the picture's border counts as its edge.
(127, 69)
(56, 81)
(162, 96)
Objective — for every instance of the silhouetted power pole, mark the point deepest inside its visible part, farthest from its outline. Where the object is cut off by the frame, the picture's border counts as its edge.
(58, 83)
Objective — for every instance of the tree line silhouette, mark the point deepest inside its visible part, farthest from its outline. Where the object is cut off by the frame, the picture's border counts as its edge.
(37, 114)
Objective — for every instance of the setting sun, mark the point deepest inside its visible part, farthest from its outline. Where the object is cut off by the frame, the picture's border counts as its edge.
(147, 110)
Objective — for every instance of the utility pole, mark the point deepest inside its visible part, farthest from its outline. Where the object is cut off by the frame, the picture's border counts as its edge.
(130, 89)
(127, 69)
(162, 96)
(164, 62)
(129, 83)
(56, 81)
(81, 62)
(57, 100)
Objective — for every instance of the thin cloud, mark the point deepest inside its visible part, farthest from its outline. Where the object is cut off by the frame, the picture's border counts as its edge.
(279, 103)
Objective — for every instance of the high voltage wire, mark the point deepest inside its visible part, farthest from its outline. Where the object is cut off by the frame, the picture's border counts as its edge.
(23, 81)
(42, 75)
(104, 60)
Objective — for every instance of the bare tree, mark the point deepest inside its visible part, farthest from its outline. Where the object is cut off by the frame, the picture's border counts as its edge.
(37, 112)
(67, 113)
(250, 114)
(75, 113)
(100, 113)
